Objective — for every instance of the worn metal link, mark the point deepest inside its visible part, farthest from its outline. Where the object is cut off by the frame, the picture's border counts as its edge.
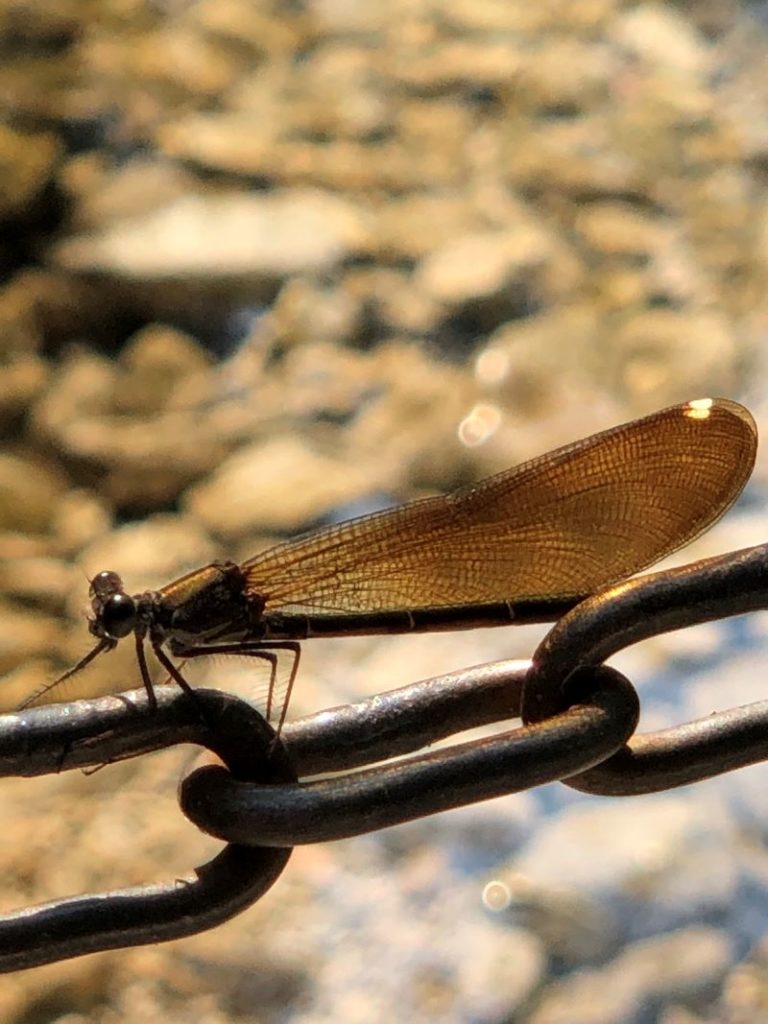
(603, 716)
(90, 733)
(616, 618)
(580, 719)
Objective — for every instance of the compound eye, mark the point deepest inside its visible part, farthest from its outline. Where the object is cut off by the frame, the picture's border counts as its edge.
(118, 616)
(105, 583)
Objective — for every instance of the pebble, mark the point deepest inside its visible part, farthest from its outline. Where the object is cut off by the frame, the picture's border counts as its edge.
(278, 486)
(29, 162)
(680, 967)
(79, 518)
(662, 37)
(26, 634)
(495, 274)
(41, 581)
(226, 237)
(29, 491)
(643, 865)
(656, 349)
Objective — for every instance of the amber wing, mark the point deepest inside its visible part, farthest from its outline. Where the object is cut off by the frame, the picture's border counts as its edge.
(562, 525)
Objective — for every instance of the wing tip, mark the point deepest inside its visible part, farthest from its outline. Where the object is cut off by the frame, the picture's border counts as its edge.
(706, 408)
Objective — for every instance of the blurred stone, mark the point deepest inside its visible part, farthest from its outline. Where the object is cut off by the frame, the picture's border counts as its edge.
(25, 634)
(573, 927)
(410, 429)
(78, 519)
(685, 966)
(41, 308)
(306, 312)
(154, 362)
(20, 544)
(104, 194)
(84, 384)
(20, 333)
(538, 368)
(336, 96)
(279, 485)
(29, 491)
(257, 238)
(617, 229)
(241, 23)
(566, 73)
(500, 972)
(315, 380)
(43, 24)
(745, 992)
(663, 867)
(412, 225)
(79, 985)
(36, 85)
(496, 275)
(499, 16)
(27, 164)
(168, 55)
(652, 351)
(346, 16)
(45, 582)
(443, 67)
(143, 462)
(574, 157)
(662, 36)
(432, 141)
(16, 685)
(24, 378)
(396, 307)
(681, 1015)
(23, 370)
(237, 144)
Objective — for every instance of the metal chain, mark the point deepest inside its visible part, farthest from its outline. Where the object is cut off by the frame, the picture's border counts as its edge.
(580, 719)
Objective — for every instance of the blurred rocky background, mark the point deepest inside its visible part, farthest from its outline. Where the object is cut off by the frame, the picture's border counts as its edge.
(267, 265)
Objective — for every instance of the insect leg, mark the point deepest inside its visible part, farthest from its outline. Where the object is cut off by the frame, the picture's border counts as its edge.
(141, 657)
(256, 649)
(171, 669)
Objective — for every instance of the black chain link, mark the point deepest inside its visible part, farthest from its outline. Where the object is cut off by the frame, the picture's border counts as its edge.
(580, 719)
